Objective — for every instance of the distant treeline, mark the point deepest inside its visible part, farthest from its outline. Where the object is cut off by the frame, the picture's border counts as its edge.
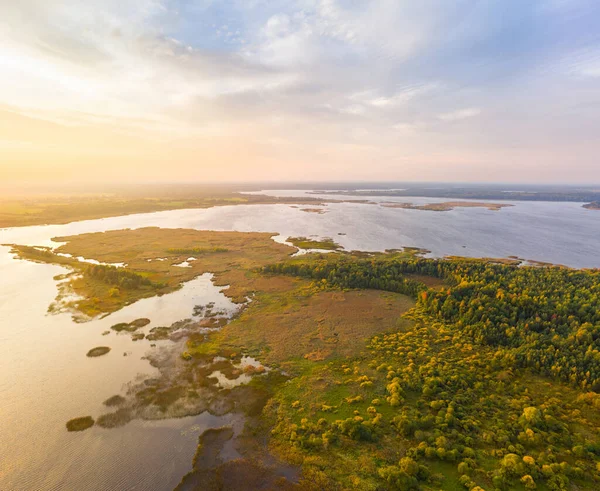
(547, 318)
(488, 194)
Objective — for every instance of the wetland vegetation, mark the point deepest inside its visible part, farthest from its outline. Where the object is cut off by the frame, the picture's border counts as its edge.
(365, 371)
(131, 326)
(80, 424)
(308, 243)
(101, 289)
(99, 351)
(58, 209)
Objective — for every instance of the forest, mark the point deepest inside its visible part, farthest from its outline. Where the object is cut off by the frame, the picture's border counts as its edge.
(495, 386)
(548, 318)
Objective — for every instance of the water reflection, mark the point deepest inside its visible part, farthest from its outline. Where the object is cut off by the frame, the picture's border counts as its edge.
(46, 379)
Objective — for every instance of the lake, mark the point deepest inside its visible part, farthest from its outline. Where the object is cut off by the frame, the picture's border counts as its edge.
(46, 379)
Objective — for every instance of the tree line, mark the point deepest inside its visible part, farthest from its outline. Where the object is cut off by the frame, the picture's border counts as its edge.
(547, 318)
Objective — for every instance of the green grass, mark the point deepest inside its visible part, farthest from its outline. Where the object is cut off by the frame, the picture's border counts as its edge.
(305, 243)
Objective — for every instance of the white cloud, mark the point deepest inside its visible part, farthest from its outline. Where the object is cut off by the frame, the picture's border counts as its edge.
(277, 25)
(460, 114)
(76, 62)
(312, 72)
(397, 98)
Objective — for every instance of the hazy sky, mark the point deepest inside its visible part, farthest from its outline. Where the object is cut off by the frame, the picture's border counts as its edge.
(477, 90)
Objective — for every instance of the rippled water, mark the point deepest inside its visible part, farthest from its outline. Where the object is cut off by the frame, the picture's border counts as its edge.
(46, 379)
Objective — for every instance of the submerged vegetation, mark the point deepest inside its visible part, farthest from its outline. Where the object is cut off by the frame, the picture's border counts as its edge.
(131, 326)
(80, 424)
(99, 351)
(116, 400)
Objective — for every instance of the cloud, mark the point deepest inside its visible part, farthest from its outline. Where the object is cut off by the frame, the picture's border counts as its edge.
(117, 65)
(312, 73)
(397, 98)
(460, 114)
(585, 63)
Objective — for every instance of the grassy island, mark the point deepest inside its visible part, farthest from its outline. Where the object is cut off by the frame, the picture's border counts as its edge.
(306, 243)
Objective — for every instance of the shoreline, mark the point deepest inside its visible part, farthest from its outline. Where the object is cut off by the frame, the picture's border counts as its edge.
(294, 362)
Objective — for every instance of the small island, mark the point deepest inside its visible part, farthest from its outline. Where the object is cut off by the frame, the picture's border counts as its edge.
(447, 206)
(131, 326)
(99, 351)
(594, 205)
(306, 243)
(80, 424)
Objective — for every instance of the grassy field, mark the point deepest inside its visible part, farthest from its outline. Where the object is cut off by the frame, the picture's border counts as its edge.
(297, 323)
(152, 254)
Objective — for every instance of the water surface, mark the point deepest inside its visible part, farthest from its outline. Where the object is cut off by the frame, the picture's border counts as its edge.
(46, 379)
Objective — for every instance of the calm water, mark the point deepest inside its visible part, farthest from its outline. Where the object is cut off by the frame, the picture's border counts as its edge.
(46, 379)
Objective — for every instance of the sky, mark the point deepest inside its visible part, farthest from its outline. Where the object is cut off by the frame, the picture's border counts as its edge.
(231, 90)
